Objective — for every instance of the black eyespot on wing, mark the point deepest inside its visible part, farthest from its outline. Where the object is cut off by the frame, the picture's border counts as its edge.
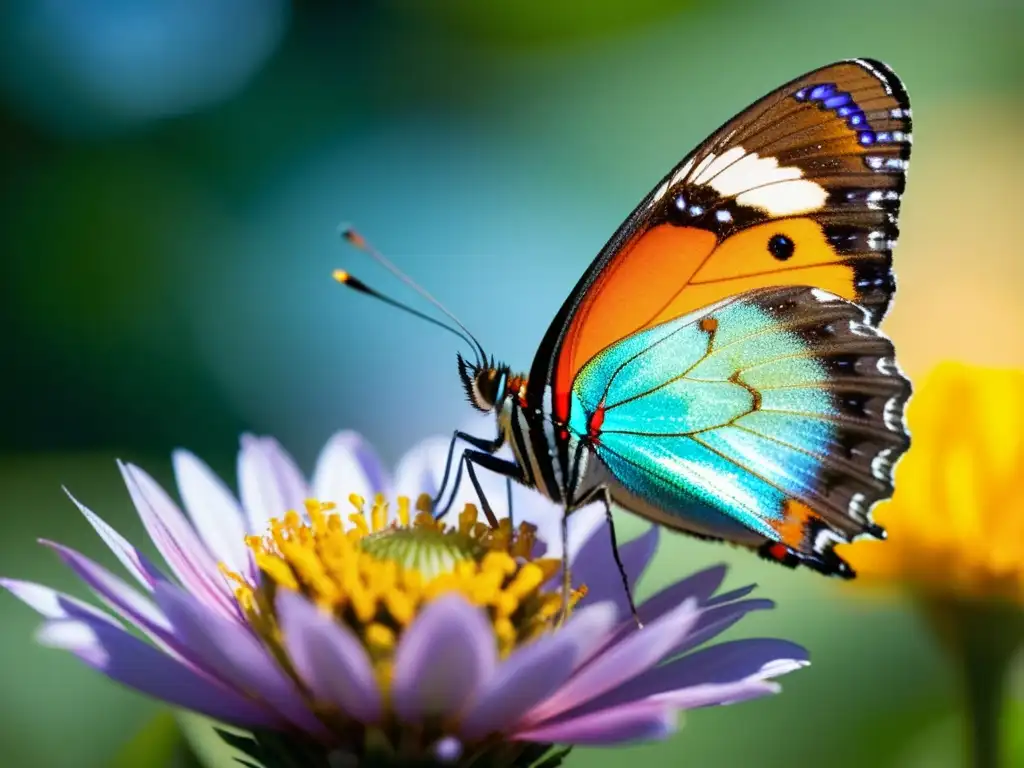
(781, 247)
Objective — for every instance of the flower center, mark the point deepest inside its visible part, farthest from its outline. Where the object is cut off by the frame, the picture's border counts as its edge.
(375, 576)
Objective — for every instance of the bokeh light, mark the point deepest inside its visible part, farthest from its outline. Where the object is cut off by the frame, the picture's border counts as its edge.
(97, 65)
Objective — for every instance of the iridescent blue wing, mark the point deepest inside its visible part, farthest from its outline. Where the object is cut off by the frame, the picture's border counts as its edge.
(771, 419)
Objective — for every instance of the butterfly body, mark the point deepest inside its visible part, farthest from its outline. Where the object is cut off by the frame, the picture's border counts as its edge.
(719, 369)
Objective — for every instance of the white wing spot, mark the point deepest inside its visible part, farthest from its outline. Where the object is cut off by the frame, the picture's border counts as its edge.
(887, 366)
(892, 415)
(863, 329)
(881, 465)
(718, 165)
(857, 508)
(759, 182)
(681, 174)
(824, 296)
(710, 158)
(786, 198)
(751, 171)
(824, 538)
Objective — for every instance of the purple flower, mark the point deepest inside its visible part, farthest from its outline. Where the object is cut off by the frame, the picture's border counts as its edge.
(384, 627)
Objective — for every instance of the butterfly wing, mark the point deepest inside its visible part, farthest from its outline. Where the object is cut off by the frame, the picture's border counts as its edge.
(802, 188)
(770, 419)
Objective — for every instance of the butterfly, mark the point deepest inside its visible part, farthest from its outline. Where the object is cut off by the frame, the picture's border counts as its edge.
(718, 369)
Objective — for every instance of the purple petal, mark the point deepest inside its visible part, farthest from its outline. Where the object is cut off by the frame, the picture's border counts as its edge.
(700, 585)
(621, 662)
(736, 594)
(214, 511)
(534, 672)
(642, 721)
(348, 465)
(733, 660)
(595, 565)
(136, 563)
(584, 524)
(420, 470)
(329, 658)
(740, 660)
(270, 482)
(719, 694)
(444, 656)
(54, 605)
(120, 597)
(714, 621)
(723, 664)
(177, 541)
(529, 506)
(230, 651)
(131, 662)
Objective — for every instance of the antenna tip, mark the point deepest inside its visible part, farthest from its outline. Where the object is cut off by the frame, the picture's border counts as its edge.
(345, 278)
(350, 234)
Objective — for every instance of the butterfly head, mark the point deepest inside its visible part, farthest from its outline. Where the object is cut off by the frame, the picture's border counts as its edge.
(485, 383)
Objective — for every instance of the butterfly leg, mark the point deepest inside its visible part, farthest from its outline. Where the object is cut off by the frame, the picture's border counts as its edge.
(471, 460)
(605, 496)
(508, 494)
(488, 446)
(563, 613)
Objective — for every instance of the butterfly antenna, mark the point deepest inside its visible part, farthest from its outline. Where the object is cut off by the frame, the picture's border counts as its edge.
(356, 284)
(358, 241)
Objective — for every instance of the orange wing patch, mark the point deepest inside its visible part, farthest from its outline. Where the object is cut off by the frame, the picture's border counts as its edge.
(792, 528)
(744, 262)
(644, 277)
(747, 252)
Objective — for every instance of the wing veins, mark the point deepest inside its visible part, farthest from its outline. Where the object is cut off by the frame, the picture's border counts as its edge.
(821, 500)
(851, 470)
(669, 481)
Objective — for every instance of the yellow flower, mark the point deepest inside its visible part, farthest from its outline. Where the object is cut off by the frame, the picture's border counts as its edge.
(956, 521)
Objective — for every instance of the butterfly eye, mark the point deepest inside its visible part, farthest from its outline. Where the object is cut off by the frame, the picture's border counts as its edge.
(781, 247)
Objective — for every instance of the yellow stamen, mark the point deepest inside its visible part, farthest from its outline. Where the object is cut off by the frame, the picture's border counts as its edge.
(380, 638)
(361, 527)
(379, 514)
(375, 577)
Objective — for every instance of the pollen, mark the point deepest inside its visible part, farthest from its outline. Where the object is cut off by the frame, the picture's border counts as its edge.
(374, 571)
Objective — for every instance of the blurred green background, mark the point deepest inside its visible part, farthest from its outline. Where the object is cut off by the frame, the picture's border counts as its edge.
(173, 175)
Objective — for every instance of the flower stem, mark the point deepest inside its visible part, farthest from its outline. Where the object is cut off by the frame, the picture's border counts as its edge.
(982, 639)
(984, 681)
